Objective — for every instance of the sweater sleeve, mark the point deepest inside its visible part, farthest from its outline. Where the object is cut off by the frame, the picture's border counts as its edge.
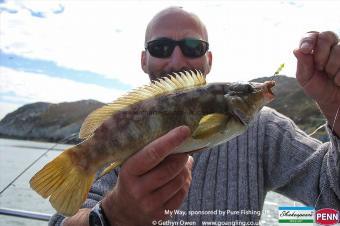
(97, 191)
(299, 166)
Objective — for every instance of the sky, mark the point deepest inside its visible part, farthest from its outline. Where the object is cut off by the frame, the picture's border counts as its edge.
(61, 51)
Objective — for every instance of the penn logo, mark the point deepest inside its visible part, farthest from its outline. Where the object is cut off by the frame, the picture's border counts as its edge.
(327, 216)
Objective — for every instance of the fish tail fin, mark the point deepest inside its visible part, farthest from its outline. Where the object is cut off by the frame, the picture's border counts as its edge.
(64, 182)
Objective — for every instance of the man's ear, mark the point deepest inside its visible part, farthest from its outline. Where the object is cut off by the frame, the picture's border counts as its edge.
(143, 61)
(209, 55)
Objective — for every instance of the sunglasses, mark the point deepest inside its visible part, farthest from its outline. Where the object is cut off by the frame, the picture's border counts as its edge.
(190, 47)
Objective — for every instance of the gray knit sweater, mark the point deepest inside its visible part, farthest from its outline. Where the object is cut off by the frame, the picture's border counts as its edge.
(272, 155)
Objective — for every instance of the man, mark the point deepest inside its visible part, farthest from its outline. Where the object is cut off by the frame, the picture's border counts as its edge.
(273, 154)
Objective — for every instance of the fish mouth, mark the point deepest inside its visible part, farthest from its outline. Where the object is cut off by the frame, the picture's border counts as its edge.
(267, 88)
(267, 95)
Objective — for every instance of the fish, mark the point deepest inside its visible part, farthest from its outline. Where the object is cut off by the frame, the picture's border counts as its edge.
(214, 112)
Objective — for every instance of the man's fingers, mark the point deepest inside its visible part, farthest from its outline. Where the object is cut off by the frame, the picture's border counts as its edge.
(154, 201)
(304, 68)
(164, 172)
(323, 48)
(308, 42)
(165, 193)
(152, 154)
(337, 79)
(333, 64)
(177, 198)
(176, 201)
(305, 61)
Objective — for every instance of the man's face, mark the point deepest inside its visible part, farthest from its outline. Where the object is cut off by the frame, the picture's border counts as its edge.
(176, 26)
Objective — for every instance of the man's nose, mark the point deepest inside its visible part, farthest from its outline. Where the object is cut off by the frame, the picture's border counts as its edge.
(177, 60)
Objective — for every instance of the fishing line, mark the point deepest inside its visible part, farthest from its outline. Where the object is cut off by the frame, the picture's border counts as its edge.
(36, 160)
(317, 129)
(277, 71)
(325, 124)
(335, 118)
(332, 127)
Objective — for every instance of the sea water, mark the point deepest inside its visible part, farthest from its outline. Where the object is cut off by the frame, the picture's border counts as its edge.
(17, 155)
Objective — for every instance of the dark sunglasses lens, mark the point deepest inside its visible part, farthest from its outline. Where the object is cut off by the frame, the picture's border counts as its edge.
(194, 47)
(161, 48)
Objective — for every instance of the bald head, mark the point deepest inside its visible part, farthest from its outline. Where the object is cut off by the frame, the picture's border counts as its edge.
(168, 15)
(175, 23)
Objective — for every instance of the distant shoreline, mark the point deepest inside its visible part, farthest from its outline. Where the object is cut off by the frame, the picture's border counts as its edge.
(36, 140)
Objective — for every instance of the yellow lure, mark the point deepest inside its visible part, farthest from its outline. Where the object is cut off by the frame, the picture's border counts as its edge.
(279, 69)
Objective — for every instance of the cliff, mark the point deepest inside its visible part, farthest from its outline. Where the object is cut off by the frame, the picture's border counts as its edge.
(47, 122)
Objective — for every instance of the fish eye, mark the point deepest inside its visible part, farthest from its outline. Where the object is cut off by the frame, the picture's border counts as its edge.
(241, 89)
(249, 88)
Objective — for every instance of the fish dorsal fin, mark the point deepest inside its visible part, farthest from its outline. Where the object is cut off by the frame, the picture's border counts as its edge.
(164, 85)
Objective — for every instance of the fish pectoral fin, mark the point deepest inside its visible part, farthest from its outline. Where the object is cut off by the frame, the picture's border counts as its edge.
(111, 167)
(64, 182)
(209, 125)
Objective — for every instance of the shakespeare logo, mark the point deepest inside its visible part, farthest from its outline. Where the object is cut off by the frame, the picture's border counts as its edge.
(296, 214)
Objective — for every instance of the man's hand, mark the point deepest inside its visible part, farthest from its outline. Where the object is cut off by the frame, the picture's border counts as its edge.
(150, 182)
(318, 72)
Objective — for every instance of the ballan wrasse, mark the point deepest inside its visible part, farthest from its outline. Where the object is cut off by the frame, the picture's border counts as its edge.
(215, 113)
